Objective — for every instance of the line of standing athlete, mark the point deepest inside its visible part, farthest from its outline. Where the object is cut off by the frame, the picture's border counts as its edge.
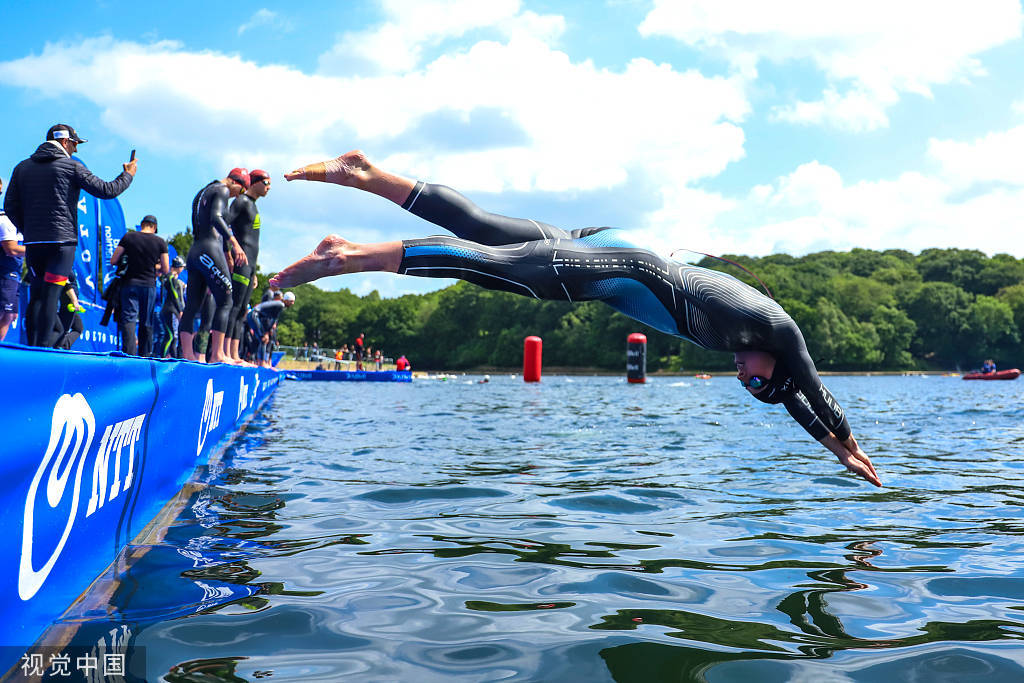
(222, 262)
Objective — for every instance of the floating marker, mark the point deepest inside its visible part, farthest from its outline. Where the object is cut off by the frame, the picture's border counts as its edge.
(532, 348)
(636, 358)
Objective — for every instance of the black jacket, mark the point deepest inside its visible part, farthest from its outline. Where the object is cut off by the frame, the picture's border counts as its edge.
(42, 194)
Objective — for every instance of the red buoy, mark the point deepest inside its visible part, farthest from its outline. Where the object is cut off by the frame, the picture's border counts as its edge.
(636, 358)
(532, 347)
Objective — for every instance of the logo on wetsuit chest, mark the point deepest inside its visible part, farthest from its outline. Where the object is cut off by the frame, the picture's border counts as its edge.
(72, 431)
(256, 222)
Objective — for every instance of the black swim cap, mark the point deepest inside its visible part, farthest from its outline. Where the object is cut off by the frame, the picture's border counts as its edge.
(780, 386)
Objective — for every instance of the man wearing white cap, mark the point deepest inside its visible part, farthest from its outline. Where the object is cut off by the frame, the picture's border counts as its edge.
(42, 202)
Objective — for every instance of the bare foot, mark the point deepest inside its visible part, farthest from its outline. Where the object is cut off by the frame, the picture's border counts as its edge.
(352, 169)
(330, 257)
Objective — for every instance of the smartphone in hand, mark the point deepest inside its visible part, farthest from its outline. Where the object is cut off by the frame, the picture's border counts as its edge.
(132, 157)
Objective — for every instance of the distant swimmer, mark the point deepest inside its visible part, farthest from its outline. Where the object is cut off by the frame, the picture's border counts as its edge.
(527, 257)
(207, 266)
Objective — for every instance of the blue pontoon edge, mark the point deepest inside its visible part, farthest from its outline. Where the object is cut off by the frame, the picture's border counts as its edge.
(95, 445)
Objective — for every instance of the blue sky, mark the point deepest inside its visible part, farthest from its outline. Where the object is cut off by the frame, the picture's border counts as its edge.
(725, 126)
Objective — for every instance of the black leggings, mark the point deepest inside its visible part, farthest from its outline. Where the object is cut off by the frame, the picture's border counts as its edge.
(242, 284)
(49, 266)
(207, 269)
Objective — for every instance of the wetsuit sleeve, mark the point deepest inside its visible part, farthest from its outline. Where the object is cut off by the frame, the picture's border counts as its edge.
(816, 395)
(12, 201)
(800, 410)
(218, 207)
(100, 188)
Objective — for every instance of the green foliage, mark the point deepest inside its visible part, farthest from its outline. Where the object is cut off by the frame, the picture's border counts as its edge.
(862, 310)
(181, 242)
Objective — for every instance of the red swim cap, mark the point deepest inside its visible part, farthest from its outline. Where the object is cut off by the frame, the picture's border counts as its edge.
(240, 176)
(258, 174)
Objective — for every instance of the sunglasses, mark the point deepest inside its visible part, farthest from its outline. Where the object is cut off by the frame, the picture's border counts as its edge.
(756, 382)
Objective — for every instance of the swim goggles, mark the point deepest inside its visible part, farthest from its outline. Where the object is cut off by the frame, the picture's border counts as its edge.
(756, 382)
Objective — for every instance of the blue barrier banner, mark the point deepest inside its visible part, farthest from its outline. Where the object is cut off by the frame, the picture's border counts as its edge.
(100, 227)
(103, 442)
(349, 375)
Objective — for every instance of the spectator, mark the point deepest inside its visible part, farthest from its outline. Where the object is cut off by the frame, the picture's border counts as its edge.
(402, 363)
(42, 202)
(146, 256)
(12, 253)
(357, 351)
(378, 359)
(172, 308)
(339, 356)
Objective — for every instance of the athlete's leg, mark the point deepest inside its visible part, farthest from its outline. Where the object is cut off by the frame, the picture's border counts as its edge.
(219, 282)
(438, 204)
(49, 267)
(195, 294)
(337, 256)
(354, 170)
(634, 281)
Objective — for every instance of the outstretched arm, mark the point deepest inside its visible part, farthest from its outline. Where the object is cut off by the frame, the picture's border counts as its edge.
(851, 455)
(847, 450)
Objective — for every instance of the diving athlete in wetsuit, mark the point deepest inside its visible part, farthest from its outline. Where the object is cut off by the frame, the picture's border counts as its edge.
(708, 308)
(244, 219)
(207, 266)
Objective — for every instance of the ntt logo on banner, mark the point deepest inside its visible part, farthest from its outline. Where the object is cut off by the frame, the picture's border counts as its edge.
(210, 418)
(72, 431)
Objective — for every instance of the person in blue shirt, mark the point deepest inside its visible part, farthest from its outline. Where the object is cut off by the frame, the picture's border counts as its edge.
(989, 366)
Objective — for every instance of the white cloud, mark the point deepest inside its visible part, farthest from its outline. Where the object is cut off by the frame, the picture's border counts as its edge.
(397, 45)
(997, 157)
(870, 52)
(265, 17)
(570, 127)
(813, 208)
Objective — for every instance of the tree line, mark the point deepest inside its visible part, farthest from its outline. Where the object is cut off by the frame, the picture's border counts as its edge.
(860, 310)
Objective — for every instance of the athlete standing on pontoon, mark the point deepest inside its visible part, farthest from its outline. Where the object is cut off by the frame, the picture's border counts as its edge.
(207, 266)
(244, 219)
(709, 308)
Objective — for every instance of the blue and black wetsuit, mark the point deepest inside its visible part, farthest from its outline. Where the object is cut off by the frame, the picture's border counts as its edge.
(261, 320)
(244, 220)
(207, 266)
(711, 309)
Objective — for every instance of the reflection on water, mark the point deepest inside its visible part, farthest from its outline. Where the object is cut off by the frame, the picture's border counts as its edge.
(594, 530)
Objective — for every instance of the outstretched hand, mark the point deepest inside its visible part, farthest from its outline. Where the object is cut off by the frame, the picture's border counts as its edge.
(853, 458)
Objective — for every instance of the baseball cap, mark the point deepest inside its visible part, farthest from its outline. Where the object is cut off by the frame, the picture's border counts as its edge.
(177, 262)
(148, 218)
(240, 176)
(289, 296)
(61, 131)
(258, 174)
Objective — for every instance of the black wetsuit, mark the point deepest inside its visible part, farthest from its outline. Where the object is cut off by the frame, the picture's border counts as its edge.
(173, 304)
(244, 219)
(709, 308)
(261, 320)
(207, 266)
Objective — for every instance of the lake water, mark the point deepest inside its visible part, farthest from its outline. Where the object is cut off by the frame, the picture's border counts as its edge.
(587, 529)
